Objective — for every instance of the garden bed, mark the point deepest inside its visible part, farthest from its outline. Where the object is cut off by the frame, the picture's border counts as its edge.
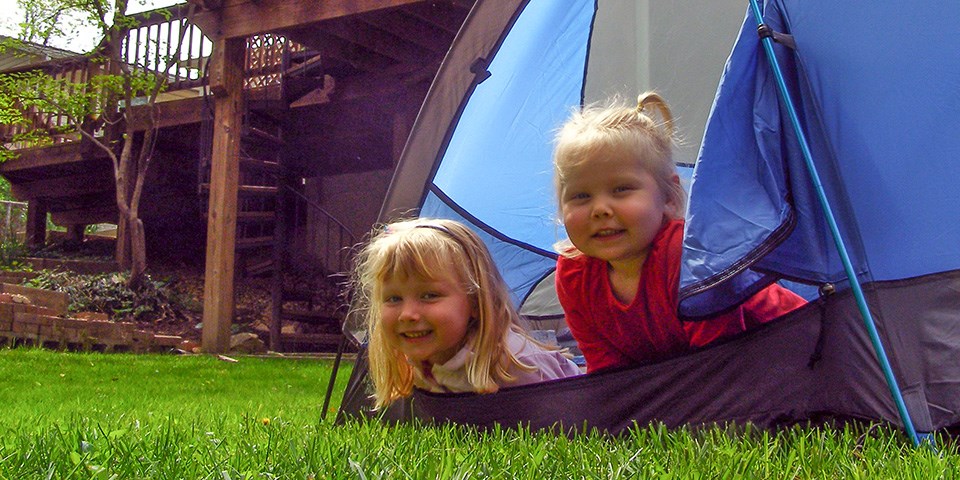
(78, 266)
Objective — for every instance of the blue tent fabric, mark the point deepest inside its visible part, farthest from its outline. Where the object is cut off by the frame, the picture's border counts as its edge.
(521, 265)
(486, 169)
(883, 128)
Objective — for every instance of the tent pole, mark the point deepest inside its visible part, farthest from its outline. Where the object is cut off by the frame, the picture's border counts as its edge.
(333, 375)
(835, 231)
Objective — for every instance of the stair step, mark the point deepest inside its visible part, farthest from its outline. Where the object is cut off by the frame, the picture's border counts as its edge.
(311, 317)
(249, 189)
(259, 268)
(260, 134)
(258, 190)
(254, 242)
(254, 217)
(258, 164)
(305, 66)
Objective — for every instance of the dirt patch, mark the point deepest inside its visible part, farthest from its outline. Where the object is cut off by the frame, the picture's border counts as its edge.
(253, 303)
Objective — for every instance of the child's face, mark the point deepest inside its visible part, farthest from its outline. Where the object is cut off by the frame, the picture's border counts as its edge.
(613, 209)
(425, 319)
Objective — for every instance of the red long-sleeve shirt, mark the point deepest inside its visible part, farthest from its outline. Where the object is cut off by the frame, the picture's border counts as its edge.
(612, 334)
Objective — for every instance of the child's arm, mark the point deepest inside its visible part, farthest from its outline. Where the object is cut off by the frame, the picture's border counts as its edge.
(764, 306)
(597, 351)
(547, 364)
(587, 321)
(768, 304)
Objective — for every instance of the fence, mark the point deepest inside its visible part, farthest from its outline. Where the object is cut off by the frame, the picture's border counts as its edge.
(14, 221)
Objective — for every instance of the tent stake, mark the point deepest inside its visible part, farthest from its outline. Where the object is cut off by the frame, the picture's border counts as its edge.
(835, 231)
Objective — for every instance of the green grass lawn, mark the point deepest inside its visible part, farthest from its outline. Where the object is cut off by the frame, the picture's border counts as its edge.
(42, 386)
(73, 415)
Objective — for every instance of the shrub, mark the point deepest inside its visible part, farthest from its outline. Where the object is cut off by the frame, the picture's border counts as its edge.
(12, 252)
(108, 293)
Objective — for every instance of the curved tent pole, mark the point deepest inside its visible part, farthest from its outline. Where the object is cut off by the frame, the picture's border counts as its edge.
(835, 231)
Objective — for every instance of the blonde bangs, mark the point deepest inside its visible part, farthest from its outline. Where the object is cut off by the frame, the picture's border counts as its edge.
(422, 254)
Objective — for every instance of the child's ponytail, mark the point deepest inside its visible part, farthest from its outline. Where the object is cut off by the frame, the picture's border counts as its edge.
(653, 99)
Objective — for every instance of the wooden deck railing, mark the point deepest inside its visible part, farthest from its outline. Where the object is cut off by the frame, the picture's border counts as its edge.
(151, 47)
(69, 73)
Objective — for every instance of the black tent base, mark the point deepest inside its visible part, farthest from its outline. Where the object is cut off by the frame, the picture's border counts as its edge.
(813, 365)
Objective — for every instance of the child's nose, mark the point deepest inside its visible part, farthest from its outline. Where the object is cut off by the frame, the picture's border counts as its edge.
(601, 209)
(409, 312)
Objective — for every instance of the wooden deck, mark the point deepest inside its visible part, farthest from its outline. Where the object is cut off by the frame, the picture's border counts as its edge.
(343, 81)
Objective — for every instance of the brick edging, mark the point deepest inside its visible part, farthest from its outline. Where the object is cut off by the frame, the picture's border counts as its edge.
(22, 322)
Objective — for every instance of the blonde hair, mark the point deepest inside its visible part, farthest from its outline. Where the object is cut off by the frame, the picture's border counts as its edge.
(432, 249)
(596, 131)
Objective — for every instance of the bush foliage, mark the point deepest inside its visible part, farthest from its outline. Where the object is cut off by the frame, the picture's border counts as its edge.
(12, 252)
(108, 293)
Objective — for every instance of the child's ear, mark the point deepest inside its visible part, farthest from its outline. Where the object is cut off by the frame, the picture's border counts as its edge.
(672, 203)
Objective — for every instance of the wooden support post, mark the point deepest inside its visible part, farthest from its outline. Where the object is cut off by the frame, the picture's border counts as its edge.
(36, 222)
(280, 253)
(226, 81)
(75, 232)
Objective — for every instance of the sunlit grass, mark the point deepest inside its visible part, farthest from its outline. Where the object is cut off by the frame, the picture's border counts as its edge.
(198, 417)
(43, 386)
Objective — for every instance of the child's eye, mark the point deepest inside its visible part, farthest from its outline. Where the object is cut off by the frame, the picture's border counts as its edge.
(578, 196)
(430, 296)
(623, 189)
(391, 299)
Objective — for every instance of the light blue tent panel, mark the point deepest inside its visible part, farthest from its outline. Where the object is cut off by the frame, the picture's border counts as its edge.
(497, 164)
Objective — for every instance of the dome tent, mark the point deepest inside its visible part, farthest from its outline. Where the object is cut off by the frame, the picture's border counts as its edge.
(882, 122)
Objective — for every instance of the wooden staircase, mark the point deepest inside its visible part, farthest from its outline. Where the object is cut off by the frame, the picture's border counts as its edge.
(305, 315)
(257, 193)
(261, 177)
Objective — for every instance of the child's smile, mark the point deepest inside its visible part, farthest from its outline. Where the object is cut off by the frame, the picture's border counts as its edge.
(608, 233)
(416, 334)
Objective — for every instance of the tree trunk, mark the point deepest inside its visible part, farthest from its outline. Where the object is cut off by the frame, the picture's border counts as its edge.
(122, 252)
(138, 252)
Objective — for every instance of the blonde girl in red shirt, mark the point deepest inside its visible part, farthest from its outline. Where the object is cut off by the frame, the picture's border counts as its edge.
(622, 206)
